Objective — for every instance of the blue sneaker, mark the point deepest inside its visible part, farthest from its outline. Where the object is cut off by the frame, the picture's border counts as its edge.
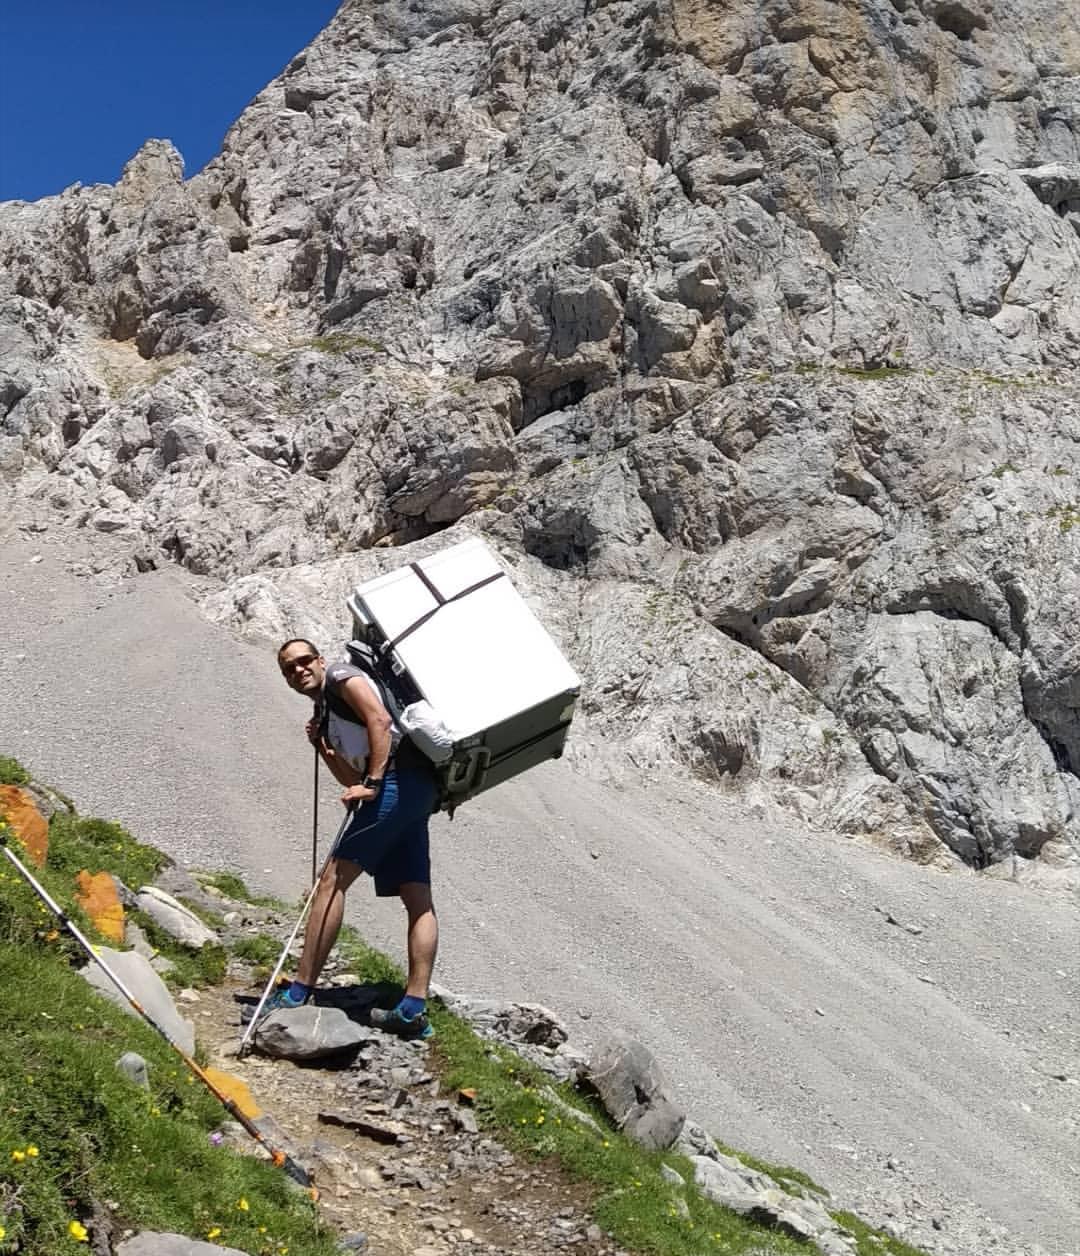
(280, 1001)
(396, 1022)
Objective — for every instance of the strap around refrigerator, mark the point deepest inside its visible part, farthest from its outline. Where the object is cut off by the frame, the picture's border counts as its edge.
(440, 603)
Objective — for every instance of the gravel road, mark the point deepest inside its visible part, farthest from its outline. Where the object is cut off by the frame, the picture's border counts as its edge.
(914, 1068)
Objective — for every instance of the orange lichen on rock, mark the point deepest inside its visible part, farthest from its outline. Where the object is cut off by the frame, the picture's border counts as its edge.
(236, 1090)
(18, 808)
(98, 897)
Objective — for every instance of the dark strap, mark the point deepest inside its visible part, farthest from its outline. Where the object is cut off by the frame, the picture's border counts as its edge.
(405, 756)
(440, 603)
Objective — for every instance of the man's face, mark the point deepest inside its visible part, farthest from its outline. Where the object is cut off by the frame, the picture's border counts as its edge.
(302, 668)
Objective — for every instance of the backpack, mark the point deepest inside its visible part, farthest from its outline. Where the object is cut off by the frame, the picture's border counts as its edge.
(423, 740)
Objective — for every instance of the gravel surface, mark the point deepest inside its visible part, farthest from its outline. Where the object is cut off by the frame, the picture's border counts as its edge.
(926, 1071)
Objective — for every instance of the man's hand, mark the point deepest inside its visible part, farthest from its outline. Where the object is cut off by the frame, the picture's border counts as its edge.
(357, 793)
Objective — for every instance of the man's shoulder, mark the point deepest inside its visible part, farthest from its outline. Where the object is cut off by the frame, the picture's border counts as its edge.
(338, 673)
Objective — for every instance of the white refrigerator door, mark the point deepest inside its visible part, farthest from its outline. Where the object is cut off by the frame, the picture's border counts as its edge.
(478, 661)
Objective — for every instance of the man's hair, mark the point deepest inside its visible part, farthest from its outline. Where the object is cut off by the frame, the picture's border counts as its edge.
(298, 641)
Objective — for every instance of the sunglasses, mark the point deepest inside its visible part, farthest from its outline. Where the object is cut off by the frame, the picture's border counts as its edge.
(301, 660)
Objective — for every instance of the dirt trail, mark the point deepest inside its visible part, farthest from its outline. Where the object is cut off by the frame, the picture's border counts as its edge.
(422, 1179)
(917, 1075)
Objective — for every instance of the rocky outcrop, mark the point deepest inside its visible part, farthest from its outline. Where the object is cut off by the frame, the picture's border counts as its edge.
(756, 329)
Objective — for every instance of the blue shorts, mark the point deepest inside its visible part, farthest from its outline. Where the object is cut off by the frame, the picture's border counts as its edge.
(388, 835)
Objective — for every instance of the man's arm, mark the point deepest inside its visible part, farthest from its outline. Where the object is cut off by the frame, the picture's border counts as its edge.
(343, 771)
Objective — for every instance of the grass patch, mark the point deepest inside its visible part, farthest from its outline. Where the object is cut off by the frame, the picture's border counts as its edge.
(12, 772)
(77, 842)
(633, 1201)
(794, 1181)
(212, 919)
(368, 963)
(261, 950)
(876, 372)
(233, 887)
(870, 1242)
(341, 342)
(1067, 516)
(204, 967)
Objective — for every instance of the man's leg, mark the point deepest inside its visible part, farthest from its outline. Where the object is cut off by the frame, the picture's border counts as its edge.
(327, 913)
(409, 1019)
(423, 936)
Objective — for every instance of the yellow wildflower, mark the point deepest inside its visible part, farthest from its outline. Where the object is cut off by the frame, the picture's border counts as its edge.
(242, 1204)
(78, 1232)
(32, 1152)
(3, 1234)
(18, 1155)
(213, 1232)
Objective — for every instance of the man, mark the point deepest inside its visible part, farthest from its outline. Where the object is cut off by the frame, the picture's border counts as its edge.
(392, 790)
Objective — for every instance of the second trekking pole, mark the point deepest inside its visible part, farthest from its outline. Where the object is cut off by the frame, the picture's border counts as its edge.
(315, 823)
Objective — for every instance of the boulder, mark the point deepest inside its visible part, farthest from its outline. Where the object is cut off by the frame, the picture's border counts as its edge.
(156, 1243)
(309, 1033)
(631, 1087)
(135, 972)
(178, 921)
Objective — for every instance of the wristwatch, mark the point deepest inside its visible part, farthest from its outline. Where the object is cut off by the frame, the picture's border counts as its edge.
(373, 782)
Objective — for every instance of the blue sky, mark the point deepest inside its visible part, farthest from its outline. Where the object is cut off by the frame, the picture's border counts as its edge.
(84, 82)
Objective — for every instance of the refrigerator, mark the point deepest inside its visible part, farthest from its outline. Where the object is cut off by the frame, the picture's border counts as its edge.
(456, 633)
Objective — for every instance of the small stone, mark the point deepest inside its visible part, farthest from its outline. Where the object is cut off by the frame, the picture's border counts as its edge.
(133, 1066)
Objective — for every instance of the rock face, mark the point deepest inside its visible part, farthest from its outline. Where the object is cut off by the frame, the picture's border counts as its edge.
(748, 333)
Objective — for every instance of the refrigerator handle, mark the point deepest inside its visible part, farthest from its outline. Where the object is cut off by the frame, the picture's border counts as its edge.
(463, 775)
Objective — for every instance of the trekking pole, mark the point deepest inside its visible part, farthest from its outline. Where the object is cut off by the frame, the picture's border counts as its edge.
(315, 820)
(288, 945)
(280, 1158)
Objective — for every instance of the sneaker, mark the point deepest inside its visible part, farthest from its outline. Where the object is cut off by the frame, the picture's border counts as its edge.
(279, 1001)
(395, 1022)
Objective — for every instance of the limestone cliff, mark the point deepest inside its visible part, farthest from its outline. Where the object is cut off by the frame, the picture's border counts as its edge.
(750, 333)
